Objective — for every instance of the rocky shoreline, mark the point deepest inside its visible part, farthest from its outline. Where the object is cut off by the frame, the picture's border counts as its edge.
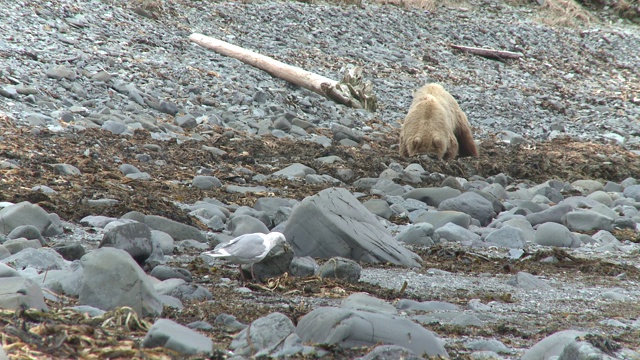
(126, 151)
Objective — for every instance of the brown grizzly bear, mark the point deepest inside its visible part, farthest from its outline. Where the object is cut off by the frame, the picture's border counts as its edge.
(435, 125)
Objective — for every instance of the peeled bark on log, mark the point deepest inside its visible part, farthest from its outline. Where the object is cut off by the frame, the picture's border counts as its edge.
(308, 80)
(488, 53)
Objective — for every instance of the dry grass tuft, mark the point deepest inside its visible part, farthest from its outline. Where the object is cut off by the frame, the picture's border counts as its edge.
(560, 12)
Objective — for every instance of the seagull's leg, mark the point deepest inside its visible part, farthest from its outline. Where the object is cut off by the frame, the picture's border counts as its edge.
(241, 274)
(253, 276)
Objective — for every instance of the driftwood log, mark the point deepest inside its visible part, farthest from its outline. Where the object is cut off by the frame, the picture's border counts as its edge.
(342, 92)
(488, 53)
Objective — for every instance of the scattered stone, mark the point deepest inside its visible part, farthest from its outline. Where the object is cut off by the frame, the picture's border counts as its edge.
(134, 238)
(527, 281)
(472, 204)
(303, 266)
(553, 234)
(264, 336)
(440, 218)
(507, 236)
(171, 335)
(19, 293)
(552, 345)
(340, 268)
(418, 234)
(178, 231)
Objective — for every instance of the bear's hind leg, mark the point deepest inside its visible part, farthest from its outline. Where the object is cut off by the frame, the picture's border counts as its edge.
(466, 145)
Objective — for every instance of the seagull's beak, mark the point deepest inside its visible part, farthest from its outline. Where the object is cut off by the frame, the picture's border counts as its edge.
(286, 246)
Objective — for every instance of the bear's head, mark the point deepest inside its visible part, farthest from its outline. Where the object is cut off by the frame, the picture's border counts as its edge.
(435, 147)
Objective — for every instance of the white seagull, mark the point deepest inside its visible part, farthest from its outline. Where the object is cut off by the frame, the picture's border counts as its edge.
(247, 248)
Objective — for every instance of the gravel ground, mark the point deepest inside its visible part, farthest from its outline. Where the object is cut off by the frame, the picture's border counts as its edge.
(69, 65)
(580, 82)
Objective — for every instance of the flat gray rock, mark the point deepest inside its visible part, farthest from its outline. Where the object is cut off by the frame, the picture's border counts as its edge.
(471, 203)
(528, 232)
(246, 224)
(26, 213)
(488, 345)
(295, 170)
(378, 207)
(456, 233)
(171, 335)
(28, 232)
(587, 186)
(366, 302)
(67, 282)
(205, 182)
(432, 196)
(334, 223)
(303, 266)
(162, 240)
(178, 231)
(441, 218)
(340, 268)
(412, 305)
(266, 335)
(507, 236)
(388, 352)
(113, 279)
(417, 234)
(134, 238)
(17, 292)
(42, 259)
(353, 328)
(552, 345)
(163, 272)
(552, 214)
(554, 234)
(527, 281)
(587, 220)
(270, 205)
(583, 350)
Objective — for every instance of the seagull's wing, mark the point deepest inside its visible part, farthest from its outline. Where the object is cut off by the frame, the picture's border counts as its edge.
(245, 249)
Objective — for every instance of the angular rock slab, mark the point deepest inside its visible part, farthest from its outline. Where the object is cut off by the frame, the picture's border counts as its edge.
(354, 328)
(334, 223)
(112, 279)
(171, 335)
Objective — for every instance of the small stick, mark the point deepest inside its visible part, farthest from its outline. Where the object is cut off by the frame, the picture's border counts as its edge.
(488, 53)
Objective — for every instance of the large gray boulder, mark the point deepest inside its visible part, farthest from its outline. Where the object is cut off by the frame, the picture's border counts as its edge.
(349, 328)
(113, 279)
(334, 223)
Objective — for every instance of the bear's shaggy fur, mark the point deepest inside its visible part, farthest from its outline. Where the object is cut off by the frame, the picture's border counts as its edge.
(435, 125)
